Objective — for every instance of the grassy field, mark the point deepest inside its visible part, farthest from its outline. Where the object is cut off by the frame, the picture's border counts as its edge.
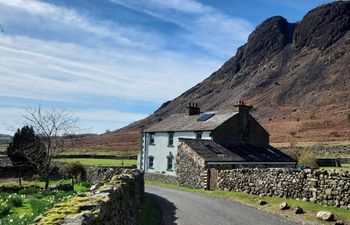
(84, 151)
(78, 187)
(344, 166)
(150, 212)
(273, 204)
(22, 208)
(102, 162)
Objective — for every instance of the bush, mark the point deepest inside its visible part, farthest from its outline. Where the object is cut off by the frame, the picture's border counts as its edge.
(86, 184)
(74, 171)
(15, 200)
(29, 190)
(308, 159)
(4, 209)
(38, 206)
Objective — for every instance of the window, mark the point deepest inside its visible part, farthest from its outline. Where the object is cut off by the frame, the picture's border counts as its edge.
(171, 139)
(199, 135)
(150, 162)
(206, 117)
(151, 138)
(170, 159)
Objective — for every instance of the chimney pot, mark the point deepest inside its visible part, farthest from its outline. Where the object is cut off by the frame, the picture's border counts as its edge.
(193, 109)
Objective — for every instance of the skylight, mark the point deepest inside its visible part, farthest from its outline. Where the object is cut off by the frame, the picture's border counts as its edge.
(206, 116)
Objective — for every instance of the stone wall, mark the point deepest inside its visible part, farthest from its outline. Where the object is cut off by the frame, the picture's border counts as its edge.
(190, 169)
(96, 173)
(114, 202)
(319, 186)
(168, 179)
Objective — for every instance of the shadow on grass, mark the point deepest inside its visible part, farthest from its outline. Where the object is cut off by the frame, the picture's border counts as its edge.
(167, 208)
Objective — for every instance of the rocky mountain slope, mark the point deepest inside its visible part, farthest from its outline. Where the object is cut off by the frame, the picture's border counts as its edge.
(296, 75)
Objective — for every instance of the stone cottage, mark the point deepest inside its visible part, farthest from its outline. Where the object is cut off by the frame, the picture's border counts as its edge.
(218, 139)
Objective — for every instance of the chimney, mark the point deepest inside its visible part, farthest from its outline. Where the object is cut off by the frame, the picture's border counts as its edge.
(243, 112)
(193, 109)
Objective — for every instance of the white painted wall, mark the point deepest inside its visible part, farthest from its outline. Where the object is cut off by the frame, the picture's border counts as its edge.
(160, 150)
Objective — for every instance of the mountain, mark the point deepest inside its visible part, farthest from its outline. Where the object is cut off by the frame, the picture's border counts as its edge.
(296, 75)
(5, 138)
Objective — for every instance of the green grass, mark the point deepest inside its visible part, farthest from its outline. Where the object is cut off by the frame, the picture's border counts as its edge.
(83, 151)
(102, 162)
(78, 187)
(273, 203)
(343, 167)
(34, 201)
(150, 212)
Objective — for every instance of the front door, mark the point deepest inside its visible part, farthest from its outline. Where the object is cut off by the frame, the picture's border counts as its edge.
(213, 179)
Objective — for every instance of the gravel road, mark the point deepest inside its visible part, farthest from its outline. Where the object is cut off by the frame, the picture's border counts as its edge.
(184, 208)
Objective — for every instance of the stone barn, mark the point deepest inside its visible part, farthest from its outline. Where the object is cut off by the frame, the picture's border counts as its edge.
(198, 161)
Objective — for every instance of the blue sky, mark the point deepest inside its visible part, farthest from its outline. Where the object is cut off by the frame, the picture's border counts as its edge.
(112, 62)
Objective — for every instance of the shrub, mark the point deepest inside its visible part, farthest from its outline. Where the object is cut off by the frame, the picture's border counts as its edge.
(38, 206)
(4, 209)
(74, 171)
(15, 200)
(308, 159)
(86, 184)
(29, 190)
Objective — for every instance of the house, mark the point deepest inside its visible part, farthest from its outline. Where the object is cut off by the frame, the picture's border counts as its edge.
(230, 138)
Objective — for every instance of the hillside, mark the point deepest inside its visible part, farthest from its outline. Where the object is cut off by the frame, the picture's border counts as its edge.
(296, 75)
(5, 138)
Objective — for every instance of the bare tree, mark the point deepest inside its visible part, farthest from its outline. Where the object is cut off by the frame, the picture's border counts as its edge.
(52, 126)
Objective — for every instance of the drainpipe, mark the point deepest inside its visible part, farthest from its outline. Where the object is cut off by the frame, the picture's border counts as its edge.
(145, 156)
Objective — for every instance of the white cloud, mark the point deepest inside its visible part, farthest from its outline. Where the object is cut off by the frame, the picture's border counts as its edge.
(134, 67)
(207, 27)
(65, 18)
(115, 117)
(54, 76)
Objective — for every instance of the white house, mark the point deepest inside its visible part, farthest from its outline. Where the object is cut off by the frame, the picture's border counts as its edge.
(159, 143)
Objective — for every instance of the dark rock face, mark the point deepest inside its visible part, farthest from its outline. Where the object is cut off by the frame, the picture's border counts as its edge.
(323, 26)
(269, 37)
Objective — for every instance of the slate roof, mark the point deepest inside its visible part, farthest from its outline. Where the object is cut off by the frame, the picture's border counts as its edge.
(184, 122)
(235, 152)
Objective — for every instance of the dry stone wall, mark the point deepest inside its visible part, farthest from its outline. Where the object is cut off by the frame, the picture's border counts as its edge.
(319, 186)
(168, 179)
(114, 202)
(190, 170)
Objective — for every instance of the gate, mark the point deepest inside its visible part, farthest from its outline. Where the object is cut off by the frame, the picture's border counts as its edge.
(212, 179)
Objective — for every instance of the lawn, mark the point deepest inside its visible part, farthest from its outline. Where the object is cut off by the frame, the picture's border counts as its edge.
(273, 203)
(344, 166)
(22, 208)
(85, 151)
(78, 187)
(101, 162)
